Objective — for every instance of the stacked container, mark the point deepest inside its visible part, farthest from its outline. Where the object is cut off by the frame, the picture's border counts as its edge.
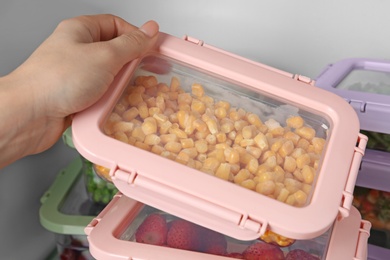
(66, 210)
(230, 145)
(365, 84)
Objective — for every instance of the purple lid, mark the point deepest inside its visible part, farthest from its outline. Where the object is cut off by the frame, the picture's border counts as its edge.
(374, 172)
(365, 84)
(377, 253)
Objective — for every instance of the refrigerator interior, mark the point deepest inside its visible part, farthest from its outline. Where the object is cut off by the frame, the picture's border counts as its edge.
(298, 37)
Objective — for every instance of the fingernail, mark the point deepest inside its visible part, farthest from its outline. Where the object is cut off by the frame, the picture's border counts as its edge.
(150, 28)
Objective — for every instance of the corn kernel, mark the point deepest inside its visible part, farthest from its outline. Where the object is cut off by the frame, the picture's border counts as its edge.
(200, 125)
(303, 160)
(201, 146)
(211, 164)
(198, 106)
(254, 151)
(292, 185)
(241, 176)
(300, 198)
(266, 187)
(138, 134)
(130, 114)
(152, 139)
(253, 119)
(293, 137)
(184, 98)
(175, 84)
(283, 194)
(134, 99)
(295, 122)
(121, 137)
(157, 149)
(174, 147)
(261, 141)
(289, 164)
(122, 126)
(223, 172)
(306, 132)
(248, 184)
(223, 104)
(253, 165)
(308, 174)
(197, 90)
(286, 149)
(220, 112)
(318, 144)
(178, 132)
(149, 126)
(192, 152)
(231, 155)
(187, 142)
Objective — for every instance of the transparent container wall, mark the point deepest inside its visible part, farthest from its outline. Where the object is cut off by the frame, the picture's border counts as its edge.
(369, 81)
(77, 201)
(98, 183)
(221, 128)
(180, 234)
(377, 141)
(374, 206)
(73, 247)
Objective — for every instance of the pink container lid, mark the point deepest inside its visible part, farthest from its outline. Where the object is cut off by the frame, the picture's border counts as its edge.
(211, 202)
(111, 236)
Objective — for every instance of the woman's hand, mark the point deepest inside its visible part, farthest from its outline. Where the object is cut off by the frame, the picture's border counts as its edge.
(67, 73)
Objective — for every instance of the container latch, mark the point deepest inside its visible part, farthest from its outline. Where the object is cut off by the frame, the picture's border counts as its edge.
(193, 40)
(95, 221)
(364, 234)
(304, 79)
(353, 172)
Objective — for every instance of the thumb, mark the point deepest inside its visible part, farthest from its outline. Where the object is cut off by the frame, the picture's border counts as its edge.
(131, 45)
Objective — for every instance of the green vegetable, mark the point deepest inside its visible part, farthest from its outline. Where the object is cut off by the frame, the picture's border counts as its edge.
(99, 190)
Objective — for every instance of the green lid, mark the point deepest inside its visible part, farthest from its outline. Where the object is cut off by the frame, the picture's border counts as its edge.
(52, 217)
(67, 137)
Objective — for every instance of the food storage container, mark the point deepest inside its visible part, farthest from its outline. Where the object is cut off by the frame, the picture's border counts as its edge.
(66, 211)
(128, 229)
(99, 190)
(229, 144)
(365, 84)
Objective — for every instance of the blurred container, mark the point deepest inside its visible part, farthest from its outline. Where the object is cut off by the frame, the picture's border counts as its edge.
(66, 210)
(365, 84)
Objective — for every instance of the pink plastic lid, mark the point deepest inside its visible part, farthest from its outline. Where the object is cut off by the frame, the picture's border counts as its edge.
(124, 231)
(300, 151)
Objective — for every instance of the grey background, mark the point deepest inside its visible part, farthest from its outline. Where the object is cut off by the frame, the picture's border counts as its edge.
(300, 37)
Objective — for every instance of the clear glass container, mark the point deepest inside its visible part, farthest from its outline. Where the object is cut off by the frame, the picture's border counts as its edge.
(221, 128)
(181, 234)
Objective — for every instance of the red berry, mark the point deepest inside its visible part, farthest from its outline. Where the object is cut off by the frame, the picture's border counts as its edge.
(153, 230)
(213, 242)
(263, 251)
(184, 235)
(298, 254)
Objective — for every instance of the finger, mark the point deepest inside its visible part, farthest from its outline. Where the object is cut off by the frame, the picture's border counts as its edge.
(131, 45)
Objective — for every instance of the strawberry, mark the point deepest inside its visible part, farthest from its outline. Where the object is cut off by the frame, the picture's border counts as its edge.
(235, 255)
(298, 254)
(153, 230)
(263, 251)
(213, 242)
(184, 235)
